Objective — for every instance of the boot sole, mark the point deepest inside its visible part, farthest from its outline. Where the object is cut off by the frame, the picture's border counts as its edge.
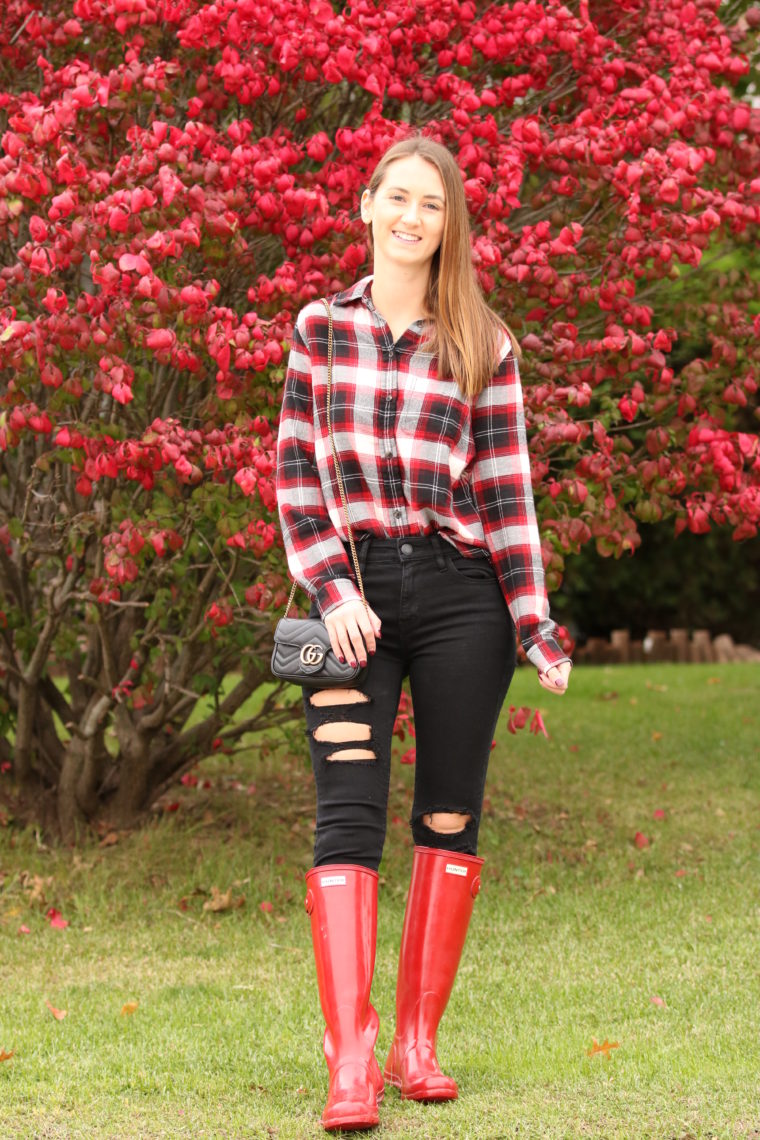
(352, 1120)
(431, 1095)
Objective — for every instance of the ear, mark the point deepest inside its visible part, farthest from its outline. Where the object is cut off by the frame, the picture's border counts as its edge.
(366, 207)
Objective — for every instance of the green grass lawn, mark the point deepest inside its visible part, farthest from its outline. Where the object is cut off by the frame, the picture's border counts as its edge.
(575, 933)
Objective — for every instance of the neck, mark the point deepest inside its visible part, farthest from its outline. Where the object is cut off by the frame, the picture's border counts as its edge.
(400, 291)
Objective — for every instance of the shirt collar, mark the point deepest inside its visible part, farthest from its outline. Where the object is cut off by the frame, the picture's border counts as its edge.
(356, 292)
(360, 291)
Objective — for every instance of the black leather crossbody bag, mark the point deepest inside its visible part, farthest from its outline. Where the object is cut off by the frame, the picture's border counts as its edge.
(302, 652)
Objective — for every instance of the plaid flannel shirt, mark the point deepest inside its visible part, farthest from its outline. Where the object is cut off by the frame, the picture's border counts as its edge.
(416, 457)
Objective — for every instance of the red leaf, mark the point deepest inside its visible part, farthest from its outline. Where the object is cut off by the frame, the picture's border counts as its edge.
(640, 840)
(56, 919)
(58, 1014)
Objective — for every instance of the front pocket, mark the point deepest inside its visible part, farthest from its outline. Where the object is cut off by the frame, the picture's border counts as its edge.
(477, 569)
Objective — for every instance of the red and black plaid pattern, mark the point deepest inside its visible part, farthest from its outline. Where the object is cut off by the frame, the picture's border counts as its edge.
(416, 457)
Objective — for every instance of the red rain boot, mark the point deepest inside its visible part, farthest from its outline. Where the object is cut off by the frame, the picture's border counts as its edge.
(342, 902)
(438, 909)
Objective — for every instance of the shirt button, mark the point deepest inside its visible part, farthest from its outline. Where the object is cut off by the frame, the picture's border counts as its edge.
(407, 548)
(397, 514)
(389, 453)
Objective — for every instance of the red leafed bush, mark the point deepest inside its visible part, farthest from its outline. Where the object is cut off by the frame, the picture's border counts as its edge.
(178, 178)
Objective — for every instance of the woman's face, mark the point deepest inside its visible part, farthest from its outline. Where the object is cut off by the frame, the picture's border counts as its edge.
(408, 213)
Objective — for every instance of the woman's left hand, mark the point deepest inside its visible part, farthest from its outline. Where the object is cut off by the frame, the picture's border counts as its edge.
(555, 680)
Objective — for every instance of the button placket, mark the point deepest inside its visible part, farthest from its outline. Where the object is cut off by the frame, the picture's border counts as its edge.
(390, 409)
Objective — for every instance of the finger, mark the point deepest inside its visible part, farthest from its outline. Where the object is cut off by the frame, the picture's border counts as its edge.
(358, 648)
(335, 631)
(553, 680)
(368, 633)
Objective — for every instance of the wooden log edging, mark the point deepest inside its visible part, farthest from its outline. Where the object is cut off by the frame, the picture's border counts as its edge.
(663, 645)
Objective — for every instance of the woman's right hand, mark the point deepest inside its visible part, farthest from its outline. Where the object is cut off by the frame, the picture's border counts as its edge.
(353, 628)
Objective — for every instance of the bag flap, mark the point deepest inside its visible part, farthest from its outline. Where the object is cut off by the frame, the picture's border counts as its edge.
(301, 631)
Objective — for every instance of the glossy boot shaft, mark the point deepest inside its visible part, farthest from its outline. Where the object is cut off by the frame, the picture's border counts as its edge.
(439, 906)
(341, 901)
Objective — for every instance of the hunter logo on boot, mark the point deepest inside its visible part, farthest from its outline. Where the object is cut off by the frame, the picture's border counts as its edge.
(332, 881)
(455, 869)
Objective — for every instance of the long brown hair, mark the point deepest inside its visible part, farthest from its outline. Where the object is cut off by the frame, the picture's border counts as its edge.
(467, 334)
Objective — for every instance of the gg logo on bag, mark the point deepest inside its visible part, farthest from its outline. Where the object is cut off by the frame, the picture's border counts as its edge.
(312, 654)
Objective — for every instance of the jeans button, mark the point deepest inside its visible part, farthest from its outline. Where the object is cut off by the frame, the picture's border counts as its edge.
(407, 548)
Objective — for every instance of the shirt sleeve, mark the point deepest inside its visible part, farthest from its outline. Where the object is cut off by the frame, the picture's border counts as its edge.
(316, 556)
(503, 492)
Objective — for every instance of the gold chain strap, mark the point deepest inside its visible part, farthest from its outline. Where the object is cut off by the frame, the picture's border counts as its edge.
(336, 461)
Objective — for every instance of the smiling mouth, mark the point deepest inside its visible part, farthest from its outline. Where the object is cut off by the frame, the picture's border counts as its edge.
(409, 238)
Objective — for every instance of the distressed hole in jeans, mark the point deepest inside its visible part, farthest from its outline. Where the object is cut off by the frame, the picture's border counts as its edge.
(342, 731)
(352, 754)
(446, 822)
(323, 698)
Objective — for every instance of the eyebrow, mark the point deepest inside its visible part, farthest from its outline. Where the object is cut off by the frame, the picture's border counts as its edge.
(403, 190)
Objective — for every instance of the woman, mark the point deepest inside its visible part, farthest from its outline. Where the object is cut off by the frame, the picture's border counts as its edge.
(428, 425)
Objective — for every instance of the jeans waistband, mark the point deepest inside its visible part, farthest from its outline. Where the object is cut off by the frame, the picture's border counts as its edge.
(404, 548)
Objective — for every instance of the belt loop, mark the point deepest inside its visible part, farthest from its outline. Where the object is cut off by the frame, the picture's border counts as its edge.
(438, 546)
(362, 550)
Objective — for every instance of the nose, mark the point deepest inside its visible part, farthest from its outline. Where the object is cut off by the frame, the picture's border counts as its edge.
(412, 212)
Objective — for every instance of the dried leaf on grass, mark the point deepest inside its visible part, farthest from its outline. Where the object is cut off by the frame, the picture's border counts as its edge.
(223, 900)
(58, 1014)
(34, 886)
(604, 1048)
(129, 1008)
(56, 919)
(5, 1056)
(657, 1000)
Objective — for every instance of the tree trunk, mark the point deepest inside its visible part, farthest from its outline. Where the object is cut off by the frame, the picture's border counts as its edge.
(70, 815)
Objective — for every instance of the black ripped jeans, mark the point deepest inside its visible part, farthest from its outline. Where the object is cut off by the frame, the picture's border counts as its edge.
(447, 627)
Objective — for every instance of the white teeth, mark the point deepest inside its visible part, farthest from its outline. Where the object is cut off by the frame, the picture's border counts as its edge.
(405, 237)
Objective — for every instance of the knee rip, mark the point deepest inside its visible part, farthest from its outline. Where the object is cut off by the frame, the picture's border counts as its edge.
(446, 822)
(323, 698)
(343, 732)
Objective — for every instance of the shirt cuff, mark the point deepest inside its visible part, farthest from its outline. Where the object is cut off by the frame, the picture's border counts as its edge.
(334, 593)
(546, 654)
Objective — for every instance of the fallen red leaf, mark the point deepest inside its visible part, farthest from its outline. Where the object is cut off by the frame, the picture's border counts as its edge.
(604, 1048)
(129, 1008)
(680, 874)
(5, 1056)
(24, 930)
(537, 724)
(640, 840)
(266, 907)
(56, 919)
(58, 1014)
(656, 1000)
(658, 813)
